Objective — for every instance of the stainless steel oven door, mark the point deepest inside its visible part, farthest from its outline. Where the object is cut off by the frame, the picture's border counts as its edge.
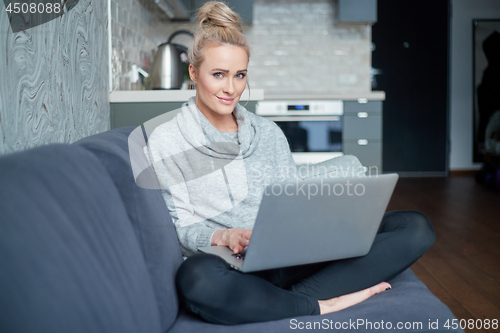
(312, 139)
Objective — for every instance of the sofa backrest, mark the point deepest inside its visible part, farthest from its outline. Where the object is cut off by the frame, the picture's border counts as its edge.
(148, 214)
(69, 258)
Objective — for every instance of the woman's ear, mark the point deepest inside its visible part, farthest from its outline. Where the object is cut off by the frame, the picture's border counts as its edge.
(192, 73)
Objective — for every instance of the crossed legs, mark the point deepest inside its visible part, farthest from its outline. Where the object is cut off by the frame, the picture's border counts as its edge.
(210, 288)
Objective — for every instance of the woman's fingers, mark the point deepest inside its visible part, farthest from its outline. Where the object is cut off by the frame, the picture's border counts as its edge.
(236, 239)
(246, 238)
(237, 249)
(241, 239)
(247, 234)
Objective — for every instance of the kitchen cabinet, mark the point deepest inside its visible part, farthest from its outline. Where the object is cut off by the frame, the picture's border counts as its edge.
(323, 127)
(361, 129)
(350, 11)
(135, 114)
(243, 7)
(133, 108)
(186, 10)
(362, 133)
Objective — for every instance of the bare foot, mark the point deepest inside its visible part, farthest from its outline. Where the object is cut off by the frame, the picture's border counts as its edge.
(345, 301)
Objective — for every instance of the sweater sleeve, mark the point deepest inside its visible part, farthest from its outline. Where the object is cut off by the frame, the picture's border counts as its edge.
(192, 231)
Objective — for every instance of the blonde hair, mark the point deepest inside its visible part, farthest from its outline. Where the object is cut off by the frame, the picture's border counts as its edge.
(219, 25)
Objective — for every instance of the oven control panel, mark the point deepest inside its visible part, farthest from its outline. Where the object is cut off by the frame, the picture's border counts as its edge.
(299, 108)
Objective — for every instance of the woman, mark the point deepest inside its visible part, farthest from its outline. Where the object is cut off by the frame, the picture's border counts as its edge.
(214, 160)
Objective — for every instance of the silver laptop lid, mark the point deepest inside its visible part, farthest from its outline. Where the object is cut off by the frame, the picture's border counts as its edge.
(317, 220)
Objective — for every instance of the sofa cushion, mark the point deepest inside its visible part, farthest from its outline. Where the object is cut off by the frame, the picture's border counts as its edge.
(409, 303)
(69, 258)
(147, 212)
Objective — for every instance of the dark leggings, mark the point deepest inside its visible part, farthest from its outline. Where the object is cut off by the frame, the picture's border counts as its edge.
(209, 287)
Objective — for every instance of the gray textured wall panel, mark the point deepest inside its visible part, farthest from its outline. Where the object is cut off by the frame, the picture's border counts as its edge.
(54, 85)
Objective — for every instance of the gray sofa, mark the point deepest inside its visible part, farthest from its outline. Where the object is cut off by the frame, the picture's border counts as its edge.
(84, 249)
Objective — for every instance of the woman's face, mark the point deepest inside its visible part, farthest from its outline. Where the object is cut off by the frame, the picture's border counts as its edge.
(220, 79)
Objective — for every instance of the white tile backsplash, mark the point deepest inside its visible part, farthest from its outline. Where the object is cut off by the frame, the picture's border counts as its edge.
(134, 40)
(296, 46)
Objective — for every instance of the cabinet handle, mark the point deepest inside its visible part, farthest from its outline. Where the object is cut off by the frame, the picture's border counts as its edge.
(362, 142)
(362, 114)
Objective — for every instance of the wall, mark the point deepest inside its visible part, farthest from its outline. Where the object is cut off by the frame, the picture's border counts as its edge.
(136, 33)
(296, 48)
(461, 80)
(52, 87)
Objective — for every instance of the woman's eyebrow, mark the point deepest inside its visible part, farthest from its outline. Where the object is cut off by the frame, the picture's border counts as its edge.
(227, 71)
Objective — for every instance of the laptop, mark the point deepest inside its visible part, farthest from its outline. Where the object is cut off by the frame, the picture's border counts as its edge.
(315, 220)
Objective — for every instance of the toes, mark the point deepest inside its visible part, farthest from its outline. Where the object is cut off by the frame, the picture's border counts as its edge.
(380, 287)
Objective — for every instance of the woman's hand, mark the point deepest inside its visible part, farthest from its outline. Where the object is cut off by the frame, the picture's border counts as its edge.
(236, 239)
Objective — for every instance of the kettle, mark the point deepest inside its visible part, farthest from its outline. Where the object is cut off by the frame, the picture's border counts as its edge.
(168, 68)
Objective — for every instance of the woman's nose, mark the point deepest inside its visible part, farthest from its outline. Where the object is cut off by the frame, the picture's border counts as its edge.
(229, 87)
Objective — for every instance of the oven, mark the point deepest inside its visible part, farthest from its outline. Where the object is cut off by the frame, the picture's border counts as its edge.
(313, 128)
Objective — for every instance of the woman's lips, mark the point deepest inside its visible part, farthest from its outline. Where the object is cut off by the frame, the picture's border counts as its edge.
(227, 101)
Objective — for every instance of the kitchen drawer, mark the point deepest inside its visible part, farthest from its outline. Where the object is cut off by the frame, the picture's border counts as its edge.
(354, 106)
(369, 154)
(135, 114)
(369, 127)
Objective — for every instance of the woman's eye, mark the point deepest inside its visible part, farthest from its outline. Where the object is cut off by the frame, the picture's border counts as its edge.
(218, 74)
(240, 75)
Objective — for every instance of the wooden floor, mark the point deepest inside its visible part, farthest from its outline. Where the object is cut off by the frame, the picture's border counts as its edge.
(462, 268)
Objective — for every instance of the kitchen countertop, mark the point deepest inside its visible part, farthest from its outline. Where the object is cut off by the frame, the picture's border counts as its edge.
(371, 96)
(138, 96)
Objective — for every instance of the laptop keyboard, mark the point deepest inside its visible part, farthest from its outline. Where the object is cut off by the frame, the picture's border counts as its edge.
(238, 256)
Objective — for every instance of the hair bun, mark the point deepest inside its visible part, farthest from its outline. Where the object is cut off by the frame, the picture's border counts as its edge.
(218, 14)
(219, 25)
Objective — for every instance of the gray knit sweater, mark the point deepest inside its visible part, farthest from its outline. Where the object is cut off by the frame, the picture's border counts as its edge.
(214, 180)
